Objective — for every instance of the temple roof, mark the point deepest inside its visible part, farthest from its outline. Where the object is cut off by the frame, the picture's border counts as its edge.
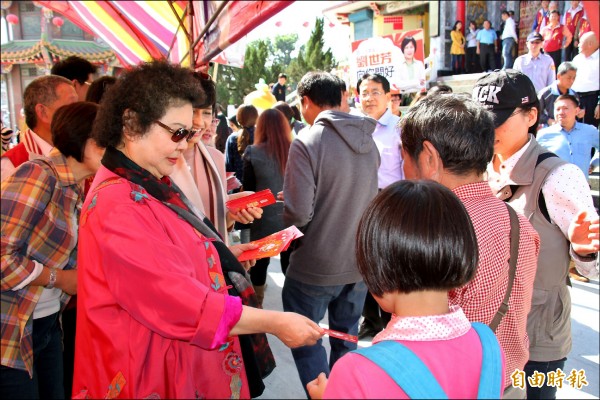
(32, 51)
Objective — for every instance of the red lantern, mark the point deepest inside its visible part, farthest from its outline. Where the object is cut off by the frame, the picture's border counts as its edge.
(58, 21)
(278, 24)
(305, 24)
(12, 19)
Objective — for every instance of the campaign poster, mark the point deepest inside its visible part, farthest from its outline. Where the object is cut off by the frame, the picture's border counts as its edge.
(399, 57)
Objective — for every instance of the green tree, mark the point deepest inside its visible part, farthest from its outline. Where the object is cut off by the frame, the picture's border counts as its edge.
(282, 47)
(233, 84)
(267, 58)
(312, 56)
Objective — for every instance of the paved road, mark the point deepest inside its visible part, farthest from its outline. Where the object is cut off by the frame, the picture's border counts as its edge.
(283, 383)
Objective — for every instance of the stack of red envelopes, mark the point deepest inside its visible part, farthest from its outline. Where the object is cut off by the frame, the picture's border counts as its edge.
(272, 245)
(258, 199)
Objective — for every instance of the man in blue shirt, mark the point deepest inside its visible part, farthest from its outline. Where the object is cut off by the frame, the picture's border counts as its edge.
(487, 47)
(570, 140)
(538, 67)
(374, 92)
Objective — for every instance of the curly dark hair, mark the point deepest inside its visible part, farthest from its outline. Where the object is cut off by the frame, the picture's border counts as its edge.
(146, 92)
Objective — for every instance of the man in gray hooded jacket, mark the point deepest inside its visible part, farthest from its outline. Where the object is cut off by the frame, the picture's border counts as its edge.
(331, 176)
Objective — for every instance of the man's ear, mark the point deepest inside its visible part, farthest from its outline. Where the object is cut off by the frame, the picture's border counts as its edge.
(430, 161)
(42, 114)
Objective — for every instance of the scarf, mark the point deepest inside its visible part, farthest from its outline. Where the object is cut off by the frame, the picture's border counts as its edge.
(258, 358)
(208, 181)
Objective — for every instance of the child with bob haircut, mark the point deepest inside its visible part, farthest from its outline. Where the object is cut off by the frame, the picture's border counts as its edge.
(415, 242)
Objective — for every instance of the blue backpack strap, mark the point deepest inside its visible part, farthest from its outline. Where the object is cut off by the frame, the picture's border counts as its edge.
(405, 368)
(492, 376)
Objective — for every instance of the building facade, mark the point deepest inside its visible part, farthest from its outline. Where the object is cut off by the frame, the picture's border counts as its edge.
(33, 40)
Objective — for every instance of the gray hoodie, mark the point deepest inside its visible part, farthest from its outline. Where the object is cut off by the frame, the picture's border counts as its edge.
(331, 176)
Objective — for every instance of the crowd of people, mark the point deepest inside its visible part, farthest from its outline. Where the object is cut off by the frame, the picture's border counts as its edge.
(444, 234)
(483, 49)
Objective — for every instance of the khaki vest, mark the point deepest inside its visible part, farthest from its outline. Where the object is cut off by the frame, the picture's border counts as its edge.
(549, 321)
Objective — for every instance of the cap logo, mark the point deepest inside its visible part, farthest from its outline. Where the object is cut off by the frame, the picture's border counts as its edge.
(525, 100)
(487, 93)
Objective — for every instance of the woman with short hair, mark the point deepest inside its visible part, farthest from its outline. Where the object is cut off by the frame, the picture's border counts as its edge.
(41, 203)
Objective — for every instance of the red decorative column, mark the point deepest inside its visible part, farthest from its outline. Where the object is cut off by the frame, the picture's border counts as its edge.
(460, 13)
(460, 16)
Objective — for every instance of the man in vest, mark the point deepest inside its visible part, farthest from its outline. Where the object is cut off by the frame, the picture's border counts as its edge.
(450, 139)
(541, 17)
(555, 197)
(572, 20)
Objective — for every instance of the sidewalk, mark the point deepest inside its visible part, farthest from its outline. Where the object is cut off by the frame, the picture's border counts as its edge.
(283, 383)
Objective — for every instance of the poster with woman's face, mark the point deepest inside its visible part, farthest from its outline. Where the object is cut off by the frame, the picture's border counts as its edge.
(398, 57)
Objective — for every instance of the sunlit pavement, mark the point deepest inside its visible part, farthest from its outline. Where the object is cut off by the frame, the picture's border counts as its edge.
(283, 383)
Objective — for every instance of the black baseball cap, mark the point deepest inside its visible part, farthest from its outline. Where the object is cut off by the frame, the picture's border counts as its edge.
(502, 91)
(533, 36)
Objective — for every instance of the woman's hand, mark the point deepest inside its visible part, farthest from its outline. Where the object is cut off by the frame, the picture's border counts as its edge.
(584, 234)
(295, 330)
(237, 251)
(245, 216)
(316, 387)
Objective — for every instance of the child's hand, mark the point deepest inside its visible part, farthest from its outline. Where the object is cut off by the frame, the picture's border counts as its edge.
(316, 387)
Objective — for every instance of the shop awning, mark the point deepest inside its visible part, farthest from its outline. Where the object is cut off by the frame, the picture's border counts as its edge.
(145, 30)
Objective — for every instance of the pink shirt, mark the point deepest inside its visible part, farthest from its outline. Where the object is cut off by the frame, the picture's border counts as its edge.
(442, 342)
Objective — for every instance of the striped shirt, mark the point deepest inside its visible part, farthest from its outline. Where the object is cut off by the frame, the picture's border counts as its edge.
(40, 210)
(482, 296)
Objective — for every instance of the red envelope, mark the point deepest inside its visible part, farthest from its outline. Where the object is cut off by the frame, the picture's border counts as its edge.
(258, 199)
(272, 245)
(340, 335)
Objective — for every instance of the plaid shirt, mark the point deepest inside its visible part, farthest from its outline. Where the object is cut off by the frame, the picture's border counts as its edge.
(40, 210)
(482, 296)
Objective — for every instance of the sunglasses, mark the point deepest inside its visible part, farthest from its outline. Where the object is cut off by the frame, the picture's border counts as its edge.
(179, 134)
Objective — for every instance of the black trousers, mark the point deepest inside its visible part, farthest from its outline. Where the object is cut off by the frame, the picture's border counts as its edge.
(487, 57)
(375, 318)
(570, 51)
(556, 56)
(472, 65)
(589, 100)
(258, 273)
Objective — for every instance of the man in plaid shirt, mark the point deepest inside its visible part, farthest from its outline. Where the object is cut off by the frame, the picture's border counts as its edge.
(450, 139)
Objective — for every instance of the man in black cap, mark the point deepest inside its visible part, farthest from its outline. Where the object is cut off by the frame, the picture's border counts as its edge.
(555, 197)
(539, 67)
